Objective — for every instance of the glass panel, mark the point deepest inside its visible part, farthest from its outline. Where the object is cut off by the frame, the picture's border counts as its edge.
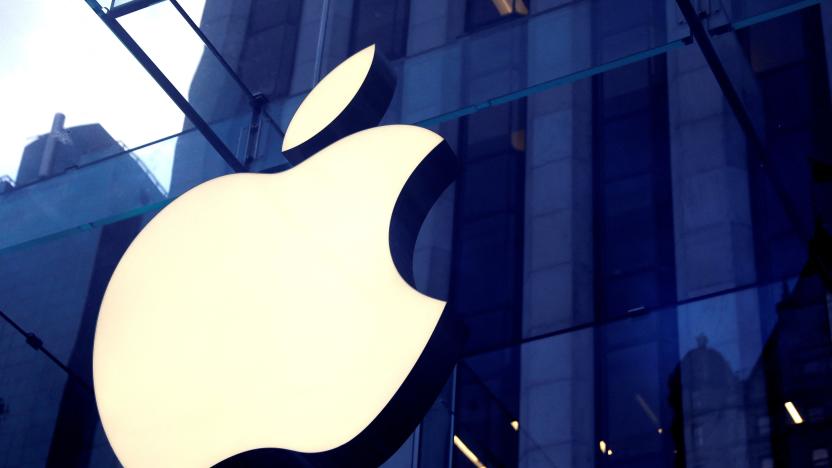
(174, 47)
(54, 288)
(662, 204)
(602, 34)
(797, 147)
(693, 385)
(488, 67)
(257, 39)
(97, 193)
(31, 386)
(60, 58)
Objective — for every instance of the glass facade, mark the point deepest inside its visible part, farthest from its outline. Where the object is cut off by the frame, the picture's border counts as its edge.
(639, 241)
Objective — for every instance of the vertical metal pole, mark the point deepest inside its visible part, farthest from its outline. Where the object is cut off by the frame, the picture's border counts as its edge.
(453, 419)
(253, 134)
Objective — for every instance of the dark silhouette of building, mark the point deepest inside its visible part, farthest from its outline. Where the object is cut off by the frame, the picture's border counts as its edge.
(795, 367)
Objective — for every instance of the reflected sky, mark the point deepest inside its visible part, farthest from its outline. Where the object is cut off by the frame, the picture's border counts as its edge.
(57, 56)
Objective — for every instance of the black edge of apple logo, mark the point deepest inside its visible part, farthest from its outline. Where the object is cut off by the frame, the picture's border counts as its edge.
(402, 414)
(424, 186)
(364, 111)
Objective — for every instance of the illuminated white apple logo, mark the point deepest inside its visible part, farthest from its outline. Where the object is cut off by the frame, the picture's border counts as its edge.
(266, 311)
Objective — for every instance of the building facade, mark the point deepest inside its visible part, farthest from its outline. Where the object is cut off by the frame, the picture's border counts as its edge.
(638, 241)
(67, 178)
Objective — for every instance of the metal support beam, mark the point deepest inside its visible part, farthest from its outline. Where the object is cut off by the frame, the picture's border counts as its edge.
(193, 116)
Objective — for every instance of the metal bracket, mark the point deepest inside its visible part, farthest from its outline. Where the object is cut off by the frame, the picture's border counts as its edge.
(258, 102)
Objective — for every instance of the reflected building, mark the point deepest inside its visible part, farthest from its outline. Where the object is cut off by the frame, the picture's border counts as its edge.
(55, 287)
(63, 149)
(720, 419)
(708, 427)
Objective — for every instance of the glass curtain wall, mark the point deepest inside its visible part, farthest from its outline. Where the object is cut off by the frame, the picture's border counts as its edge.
(638, 242)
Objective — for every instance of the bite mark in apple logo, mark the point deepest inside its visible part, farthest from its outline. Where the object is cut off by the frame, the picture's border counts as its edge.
(272, 319)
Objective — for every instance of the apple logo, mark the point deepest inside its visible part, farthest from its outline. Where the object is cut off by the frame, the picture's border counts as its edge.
(272, 319)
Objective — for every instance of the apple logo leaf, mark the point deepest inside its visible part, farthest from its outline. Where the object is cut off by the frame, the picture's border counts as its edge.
(352, 97)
